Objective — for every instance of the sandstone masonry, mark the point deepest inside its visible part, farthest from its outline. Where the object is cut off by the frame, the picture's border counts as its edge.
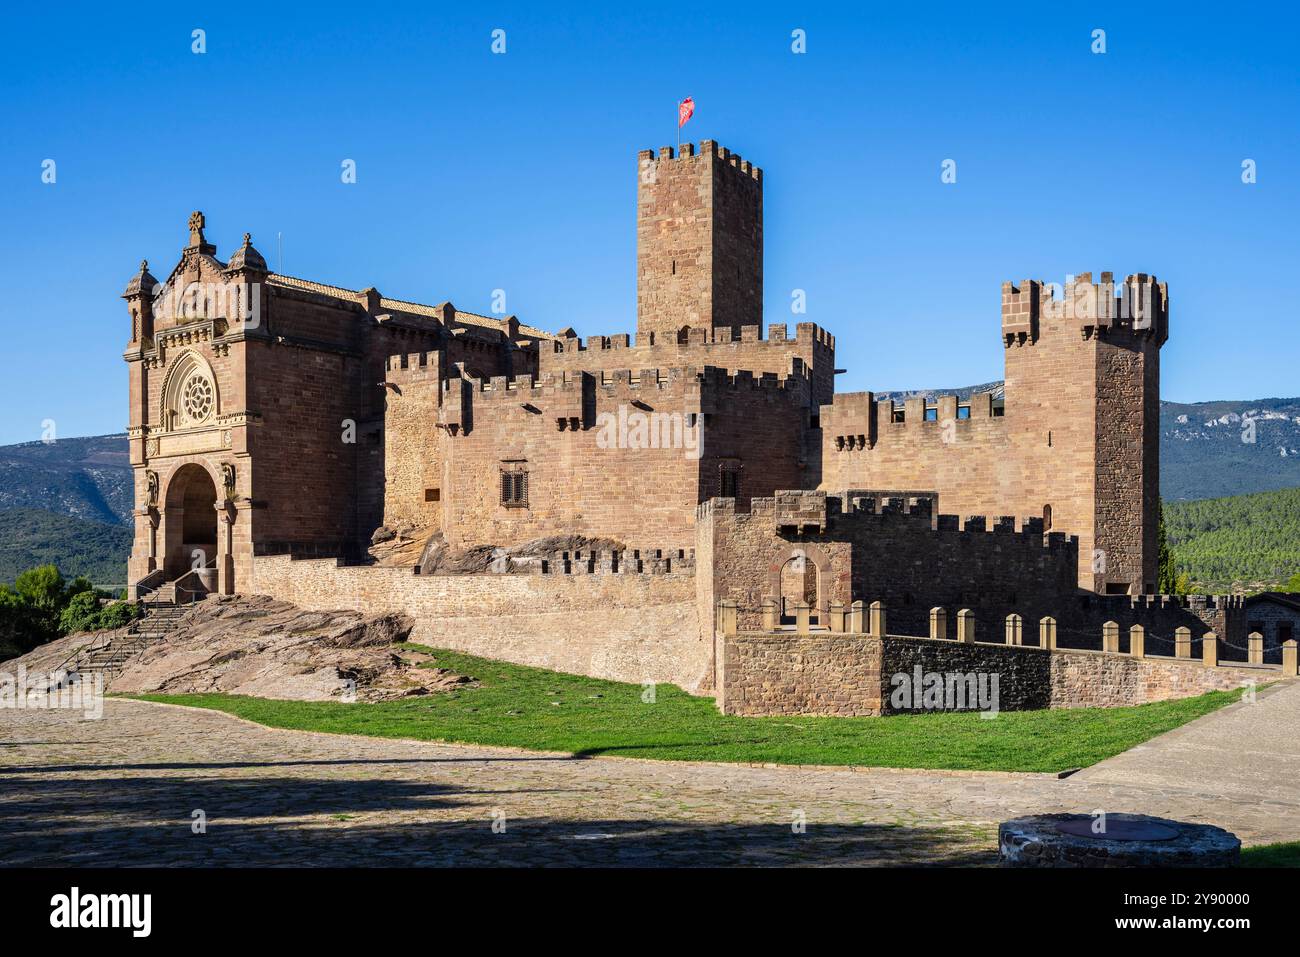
(279, 427)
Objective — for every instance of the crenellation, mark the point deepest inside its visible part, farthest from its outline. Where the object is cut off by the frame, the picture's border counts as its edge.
(720, 442)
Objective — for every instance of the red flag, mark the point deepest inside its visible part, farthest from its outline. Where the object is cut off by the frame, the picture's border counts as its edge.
(685, 110)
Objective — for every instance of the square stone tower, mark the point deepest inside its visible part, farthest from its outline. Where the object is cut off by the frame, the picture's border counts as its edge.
(1083, 415)
(699, 241)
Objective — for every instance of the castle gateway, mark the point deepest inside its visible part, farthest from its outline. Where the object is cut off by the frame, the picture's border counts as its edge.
(274, 416)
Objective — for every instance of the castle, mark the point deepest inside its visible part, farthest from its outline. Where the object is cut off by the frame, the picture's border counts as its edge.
(277, 424)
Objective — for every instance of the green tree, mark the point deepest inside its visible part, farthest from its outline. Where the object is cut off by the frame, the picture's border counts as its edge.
(43, 592)
(42, 606)
(1166, 574)
(1293, 585)
(80, 614)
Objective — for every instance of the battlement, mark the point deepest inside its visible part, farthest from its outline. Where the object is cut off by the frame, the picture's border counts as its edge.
(804, 511)
(411, 365)
(625, 561)
(566, 381)
(709, 152)
(806, 333)
(854, 421)
(1140, 307)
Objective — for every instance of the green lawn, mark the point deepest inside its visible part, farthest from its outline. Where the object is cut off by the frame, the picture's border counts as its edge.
(551, 711)
(1271, 855)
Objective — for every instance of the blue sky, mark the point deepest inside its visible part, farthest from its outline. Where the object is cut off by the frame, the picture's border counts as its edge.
(478, 171)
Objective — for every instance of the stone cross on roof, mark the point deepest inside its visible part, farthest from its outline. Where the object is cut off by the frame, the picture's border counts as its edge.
(197, 223)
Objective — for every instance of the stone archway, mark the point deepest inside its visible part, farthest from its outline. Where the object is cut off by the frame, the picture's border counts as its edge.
(817, 581)
(190, 516)
(799, 584)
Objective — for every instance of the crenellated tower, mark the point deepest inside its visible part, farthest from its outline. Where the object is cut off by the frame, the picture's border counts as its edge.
(1074, 438)
(699, 241)
(1083, 412)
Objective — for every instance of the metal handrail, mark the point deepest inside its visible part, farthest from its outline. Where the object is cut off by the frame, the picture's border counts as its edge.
(150, 583)
(178, 587)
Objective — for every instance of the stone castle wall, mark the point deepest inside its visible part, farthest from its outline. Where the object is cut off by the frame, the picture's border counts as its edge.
(810, 348)
(413, 448)
(890, 547)
(622, 454)
(1076, 441)
(627, 626)
(853, 674)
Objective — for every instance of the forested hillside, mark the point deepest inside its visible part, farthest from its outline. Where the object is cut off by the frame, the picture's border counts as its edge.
(1243, 538)
(96, 551)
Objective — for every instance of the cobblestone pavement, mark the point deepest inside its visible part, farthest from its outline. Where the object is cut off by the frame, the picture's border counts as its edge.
(124, 791)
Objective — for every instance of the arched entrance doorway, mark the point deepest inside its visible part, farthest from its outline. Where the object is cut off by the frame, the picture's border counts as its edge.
(798, 583)
(190, 513)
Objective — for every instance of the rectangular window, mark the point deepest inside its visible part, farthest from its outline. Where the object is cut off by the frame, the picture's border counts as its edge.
(963, 412)
(433, 494)
(514, 489)
(898, 415)
(932, 414)
(729, 487)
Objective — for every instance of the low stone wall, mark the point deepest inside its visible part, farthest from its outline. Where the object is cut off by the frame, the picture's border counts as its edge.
(784, 673)
(635, 627)
(828, 673)
(1096, 679)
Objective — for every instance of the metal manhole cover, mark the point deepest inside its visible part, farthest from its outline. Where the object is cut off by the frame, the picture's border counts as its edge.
(1119, 830)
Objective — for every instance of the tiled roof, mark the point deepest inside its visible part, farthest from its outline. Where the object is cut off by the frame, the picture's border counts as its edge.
(401, 305)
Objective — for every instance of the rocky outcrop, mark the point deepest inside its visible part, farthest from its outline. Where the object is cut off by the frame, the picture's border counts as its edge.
(441, 558)
(271, 649)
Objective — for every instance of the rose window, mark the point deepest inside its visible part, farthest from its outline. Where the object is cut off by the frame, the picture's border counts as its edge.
(197, 398)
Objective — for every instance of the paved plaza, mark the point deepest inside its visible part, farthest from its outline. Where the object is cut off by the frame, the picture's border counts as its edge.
(129, 789)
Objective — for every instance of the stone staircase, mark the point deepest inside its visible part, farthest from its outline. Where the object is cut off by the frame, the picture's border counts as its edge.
(108, 657)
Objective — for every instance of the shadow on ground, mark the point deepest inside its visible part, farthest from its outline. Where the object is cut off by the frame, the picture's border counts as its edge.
(57, 819)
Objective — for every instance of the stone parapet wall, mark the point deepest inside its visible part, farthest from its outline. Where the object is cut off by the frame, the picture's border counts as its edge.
(827, 674)
(625, 627)
(837, 674)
